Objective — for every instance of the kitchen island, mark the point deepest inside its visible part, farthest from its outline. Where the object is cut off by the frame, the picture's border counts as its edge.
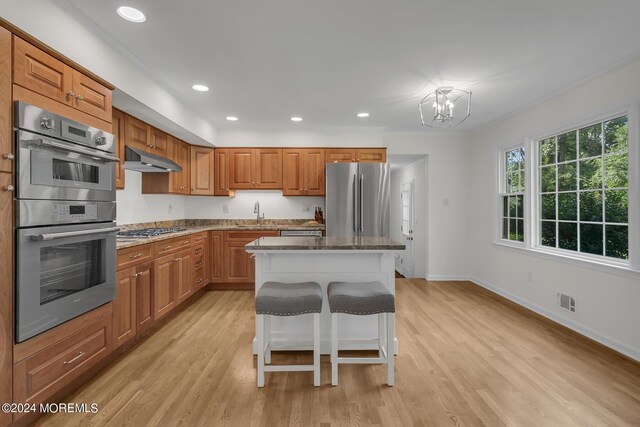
(323, 260)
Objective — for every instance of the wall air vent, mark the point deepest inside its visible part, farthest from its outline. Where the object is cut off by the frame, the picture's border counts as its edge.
(566, 302)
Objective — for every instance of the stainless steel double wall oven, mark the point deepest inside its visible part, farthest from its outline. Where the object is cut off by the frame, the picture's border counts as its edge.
(65, 219)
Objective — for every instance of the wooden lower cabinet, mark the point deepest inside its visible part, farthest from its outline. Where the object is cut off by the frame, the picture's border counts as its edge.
(165, 275)
(6, 293)
(133, 304)
(184, 274)
(44, 372)
(124, 307)
(216, 257)
(239, 265)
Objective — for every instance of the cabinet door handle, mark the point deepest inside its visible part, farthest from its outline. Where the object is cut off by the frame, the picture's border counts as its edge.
(166, 247)
(199, 281)
(135, 256)
(9, 156)
(252, 256)
(136, 275)
(69, 362)
(80, 97)
(177, 259)
(9, 188)
(70, 94)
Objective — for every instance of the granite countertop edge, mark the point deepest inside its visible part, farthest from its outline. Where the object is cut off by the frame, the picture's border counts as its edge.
(270, 244)
(123, 243)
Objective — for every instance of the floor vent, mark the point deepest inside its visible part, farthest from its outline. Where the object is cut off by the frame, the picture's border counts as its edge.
(567, 302)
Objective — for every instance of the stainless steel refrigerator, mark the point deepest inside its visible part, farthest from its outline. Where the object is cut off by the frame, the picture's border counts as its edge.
(357, 199)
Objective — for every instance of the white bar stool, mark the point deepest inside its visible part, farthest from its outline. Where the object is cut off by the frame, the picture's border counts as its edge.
(362, 299)
(287, 299)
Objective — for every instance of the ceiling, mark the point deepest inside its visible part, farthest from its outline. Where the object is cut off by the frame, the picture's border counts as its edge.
(328, 60)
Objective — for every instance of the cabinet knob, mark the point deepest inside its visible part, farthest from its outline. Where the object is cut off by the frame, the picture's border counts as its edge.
(80, 98)
(9, 187)
(70, 94)
(177, 259)
(9, 156)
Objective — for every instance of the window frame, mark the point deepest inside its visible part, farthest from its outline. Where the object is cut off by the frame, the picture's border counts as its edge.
(501, 184)
(532, 213)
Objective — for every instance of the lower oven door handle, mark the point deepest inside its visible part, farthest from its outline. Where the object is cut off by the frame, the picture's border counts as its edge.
(98, 155)
(52, 236)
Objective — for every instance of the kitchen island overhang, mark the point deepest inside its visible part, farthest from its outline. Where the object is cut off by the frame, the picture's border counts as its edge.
(323, 260)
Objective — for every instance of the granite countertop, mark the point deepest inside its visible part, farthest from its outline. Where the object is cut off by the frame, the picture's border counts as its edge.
(323, 243)
(198, 226)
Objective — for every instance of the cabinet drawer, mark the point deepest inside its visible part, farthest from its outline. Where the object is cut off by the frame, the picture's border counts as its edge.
(198, 279)
(198, 263)
(39, 376)
(198, 239)
(248, 235)
(172, 245)
(131, 256)
(198, 251)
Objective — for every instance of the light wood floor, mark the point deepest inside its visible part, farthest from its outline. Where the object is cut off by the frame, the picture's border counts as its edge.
(467, 357)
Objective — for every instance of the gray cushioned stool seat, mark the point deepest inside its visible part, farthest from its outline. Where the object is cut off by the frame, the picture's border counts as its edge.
(360, 298)
(289, 299)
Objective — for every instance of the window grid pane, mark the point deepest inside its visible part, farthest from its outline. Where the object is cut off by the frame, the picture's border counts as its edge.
(513, 199)
(583, 189)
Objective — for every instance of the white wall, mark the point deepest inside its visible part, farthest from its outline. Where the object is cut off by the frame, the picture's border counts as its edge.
(58, 25)
(416, 172)
(323, 138)
(134, 207)
(607, 303)
(447, 194)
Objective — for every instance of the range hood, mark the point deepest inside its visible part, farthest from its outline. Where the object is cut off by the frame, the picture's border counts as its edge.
(141, 161)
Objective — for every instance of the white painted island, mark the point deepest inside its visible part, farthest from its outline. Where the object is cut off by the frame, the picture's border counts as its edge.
(323, 260)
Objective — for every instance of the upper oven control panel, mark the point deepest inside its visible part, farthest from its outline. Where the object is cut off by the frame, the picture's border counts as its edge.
(66, 212)
(35, 119)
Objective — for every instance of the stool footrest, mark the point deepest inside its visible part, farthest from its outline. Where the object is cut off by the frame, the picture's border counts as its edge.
(363, 360)
(288, 368)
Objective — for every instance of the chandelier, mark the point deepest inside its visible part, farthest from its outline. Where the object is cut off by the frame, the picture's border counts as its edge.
(444, 101)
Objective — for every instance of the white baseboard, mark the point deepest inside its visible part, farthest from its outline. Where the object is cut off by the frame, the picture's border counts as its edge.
(589, 333)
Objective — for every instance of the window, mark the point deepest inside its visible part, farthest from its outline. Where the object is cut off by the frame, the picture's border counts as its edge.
(583, 190)
(512, 195)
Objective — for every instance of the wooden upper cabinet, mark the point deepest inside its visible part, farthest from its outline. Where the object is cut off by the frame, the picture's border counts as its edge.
(179, 153)
(137, 133)
(118, 132)
(158, 142)
(303, 172)
(241, 175)
(340, 155)
(371, 155)
(221, 172)
(255, 168)
(91, 97)
(202, 171)
(7, 153)
(268, 168)
(41, 72)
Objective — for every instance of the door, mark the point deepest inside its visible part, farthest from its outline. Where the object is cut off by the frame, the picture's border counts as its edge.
(40, 72)
(216, 256)
(124, 307)
(202, 171)
(373, 195)
(340, 155)
(7, 152)
(144, 296)
(185, 274)
(137, 133)
(340, 199)
(239, 265)
(6, 291)
(159, 142)
(118, 133)
(371, 155)
(179, 181)
(314, 172)
(62, 272)
(241, 164)
(91, 97)
(165, 281)
(293, 171)
(407, 198)
(267, 168)
(221, 172)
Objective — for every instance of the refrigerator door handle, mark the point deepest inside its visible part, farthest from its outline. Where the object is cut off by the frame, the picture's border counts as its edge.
(361, 202)
(355, 206)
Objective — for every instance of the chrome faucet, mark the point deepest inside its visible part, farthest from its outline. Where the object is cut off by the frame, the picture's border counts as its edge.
(256, 210)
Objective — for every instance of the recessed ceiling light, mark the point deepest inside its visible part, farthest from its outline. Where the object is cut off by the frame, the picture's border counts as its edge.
(200, 88)
(362, 115)
(131, 14)
(296, 119)
(232, 118)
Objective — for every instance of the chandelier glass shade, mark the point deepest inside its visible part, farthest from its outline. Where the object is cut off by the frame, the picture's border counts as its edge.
(445, 107)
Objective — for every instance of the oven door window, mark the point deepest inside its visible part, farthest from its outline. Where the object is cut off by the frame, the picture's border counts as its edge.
(70, 171)
(69, 268)
(75, 171)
